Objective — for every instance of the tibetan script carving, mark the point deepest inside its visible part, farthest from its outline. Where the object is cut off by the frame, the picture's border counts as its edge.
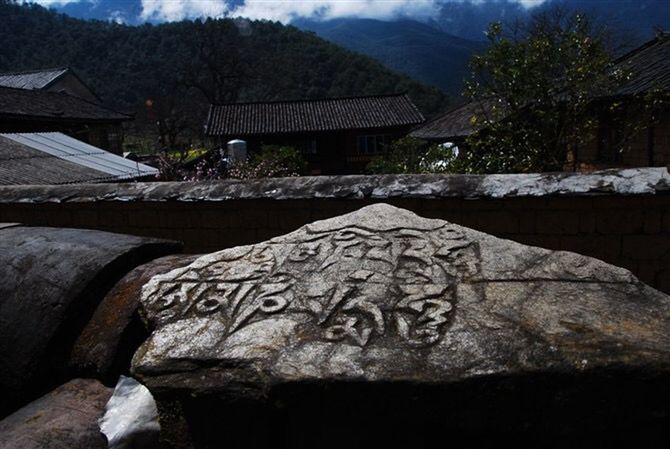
(352, 285)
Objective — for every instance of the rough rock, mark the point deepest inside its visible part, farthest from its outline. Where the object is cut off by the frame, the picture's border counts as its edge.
(632, 181)
(65, 418)
(106, 345)
(52, 281)
(131, 417)
(381, 304)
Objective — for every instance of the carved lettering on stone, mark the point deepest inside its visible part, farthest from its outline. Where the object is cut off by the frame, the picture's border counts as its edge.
(353, 285)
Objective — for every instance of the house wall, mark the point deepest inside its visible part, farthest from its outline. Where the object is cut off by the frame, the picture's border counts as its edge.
(638, 154)
(336, 151)
(621, 218)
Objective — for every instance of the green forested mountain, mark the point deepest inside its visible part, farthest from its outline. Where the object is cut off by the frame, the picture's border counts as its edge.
(419, 50)
(183, 66)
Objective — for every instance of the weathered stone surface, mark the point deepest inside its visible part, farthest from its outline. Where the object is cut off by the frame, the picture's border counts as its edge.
(383, 329)
(66, 418)
(131, 417)
(113, 334)
(383, 295)
(633, 181)
(52, 280)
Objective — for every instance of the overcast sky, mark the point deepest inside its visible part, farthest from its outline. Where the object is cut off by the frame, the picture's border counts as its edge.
(281, 10)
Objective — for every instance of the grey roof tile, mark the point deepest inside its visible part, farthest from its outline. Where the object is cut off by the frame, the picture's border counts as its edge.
(332, 114)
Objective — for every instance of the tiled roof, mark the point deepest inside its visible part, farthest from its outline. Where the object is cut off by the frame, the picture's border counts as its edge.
(333, 114)
(650, 66)
(453, 124)
(54, 158)
(30, 104)
(36, 79)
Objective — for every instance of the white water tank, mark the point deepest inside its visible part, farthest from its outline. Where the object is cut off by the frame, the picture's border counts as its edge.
(237, 150)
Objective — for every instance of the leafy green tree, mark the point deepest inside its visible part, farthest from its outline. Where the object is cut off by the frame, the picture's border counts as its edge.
(416, 156)
(536, 86)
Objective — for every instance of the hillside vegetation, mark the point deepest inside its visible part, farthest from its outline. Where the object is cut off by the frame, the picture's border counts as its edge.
(416, 49)
(169, 73)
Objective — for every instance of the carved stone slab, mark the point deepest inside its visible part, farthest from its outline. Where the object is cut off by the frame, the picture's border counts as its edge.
(382, 294)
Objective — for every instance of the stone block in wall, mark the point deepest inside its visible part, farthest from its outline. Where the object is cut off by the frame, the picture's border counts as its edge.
(482, 204)
(557, 222)
(653, 222)
(663, 277)
(540, 240)
(85, 217)
(604, 247)
(527, 220)
(587, 222)
(257, 215)
(112, 219)
(648, 272)
(533, 203)
(498, 221)
(294, 219)
(59, 217)
(646, 247)
(610, 221)
(611, 202)
(216, 218)
(569, 203)
(658, 201)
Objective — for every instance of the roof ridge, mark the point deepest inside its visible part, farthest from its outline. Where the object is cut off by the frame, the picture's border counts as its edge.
(39, 92)
(30, 72)
(660, 37)
(313, 100)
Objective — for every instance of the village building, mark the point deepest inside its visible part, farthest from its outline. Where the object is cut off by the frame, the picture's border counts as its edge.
(336, 135)
(649, 65)
(26, 110)
(62, 79)
(54, 158)
(632, 137)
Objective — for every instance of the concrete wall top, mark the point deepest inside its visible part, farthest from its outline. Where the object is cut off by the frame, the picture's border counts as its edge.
(637, 181)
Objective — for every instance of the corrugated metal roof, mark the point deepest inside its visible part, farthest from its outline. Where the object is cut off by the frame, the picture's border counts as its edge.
(23, 103)
(332, 114)
(36, 79)
(54, 158)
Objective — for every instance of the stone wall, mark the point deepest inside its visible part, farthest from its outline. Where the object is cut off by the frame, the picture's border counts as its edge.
(622, 217)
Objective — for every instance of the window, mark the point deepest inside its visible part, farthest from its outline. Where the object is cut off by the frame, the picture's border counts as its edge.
(373, 144)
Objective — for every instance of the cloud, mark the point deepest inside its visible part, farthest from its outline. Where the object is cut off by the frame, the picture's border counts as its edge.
(117, 17)
(287, 10)
(49, 3)
(171, 10)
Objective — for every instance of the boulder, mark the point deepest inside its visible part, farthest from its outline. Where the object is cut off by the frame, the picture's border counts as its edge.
(106, 345)
(52, 281)
(66, 418)
(383, 318)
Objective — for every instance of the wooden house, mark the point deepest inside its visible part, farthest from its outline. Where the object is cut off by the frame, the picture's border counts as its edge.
(615, 144)
(628, 137)
(337, 135)
(62, 80)
(24, 110)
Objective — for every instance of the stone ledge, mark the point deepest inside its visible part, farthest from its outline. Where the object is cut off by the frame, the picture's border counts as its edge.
(638, 181)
